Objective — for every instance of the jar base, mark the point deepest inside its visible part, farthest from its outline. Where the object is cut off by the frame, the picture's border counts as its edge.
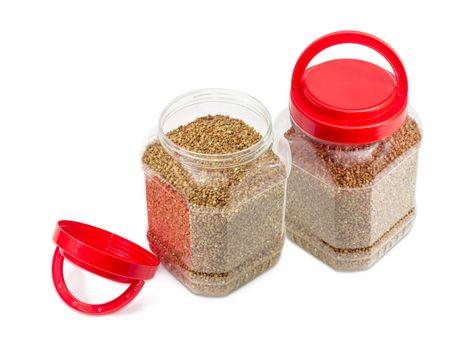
(353, 259)
(220, 284)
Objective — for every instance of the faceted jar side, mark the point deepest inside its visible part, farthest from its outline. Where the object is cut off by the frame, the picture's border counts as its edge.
(348, 205)
(168, 223)
(234, 243)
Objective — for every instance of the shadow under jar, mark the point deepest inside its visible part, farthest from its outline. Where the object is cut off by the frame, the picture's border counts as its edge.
(354, 147)
(215, 190)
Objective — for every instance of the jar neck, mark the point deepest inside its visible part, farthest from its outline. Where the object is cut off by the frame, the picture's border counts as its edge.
(223, 98)
(301, 131)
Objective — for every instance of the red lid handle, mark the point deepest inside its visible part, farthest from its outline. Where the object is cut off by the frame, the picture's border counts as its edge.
(105, 254)
(351, 37)
(91, 309)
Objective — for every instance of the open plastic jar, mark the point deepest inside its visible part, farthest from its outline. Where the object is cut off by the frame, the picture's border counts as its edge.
(354, 146)
(215, 190)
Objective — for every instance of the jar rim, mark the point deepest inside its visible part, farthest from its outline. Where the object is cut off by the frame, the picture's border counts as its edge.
(218, 159)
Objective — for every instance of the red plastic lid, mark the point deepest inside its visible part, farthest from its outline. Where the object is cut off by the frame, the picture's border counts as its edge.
(105, 254)
(349, 101)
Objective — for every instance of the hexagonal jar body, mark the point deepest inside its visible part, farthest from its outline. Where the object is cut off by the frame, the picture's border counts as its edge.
(215, 220)
(348, 205)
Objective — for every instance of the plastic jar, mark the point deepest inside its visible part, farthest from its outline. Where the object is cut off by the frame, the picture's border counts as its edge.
(354, 145)
(215, 220)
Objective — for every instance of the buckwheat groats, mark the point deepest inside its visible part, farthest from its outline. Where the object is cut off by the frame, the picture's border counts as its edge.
(215, 197)
(354, 147)
(348, 205)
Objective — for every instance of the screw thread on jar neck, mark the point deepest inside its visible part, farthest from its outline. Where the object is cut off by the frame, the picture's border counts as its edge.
(187, 107)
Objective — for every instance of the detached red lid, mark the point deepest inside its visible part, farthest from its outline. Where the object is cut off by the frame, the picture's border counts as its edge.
(105, 254)
(349, 101)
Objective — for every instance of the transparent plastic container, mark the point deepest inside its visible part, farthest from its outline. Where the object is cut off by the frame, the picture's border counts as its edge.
(216, 220)
(354, 147)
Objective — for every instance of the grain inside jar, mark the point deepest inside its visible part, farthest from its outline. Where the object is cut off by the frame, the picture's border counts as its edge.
(349, 205)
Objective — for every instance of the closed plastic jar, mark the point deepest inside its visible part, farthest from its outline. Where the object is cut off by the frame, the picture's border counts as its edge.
(215, 219)
(354, 146)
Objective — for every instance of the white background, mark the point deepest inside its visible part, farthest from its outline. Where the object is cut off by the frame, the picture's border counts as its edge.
(82, 83)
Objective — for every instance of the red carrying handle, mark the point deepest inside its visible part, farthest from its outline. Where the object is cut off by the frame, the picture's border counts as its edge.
(351, 37)
(92, 309)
